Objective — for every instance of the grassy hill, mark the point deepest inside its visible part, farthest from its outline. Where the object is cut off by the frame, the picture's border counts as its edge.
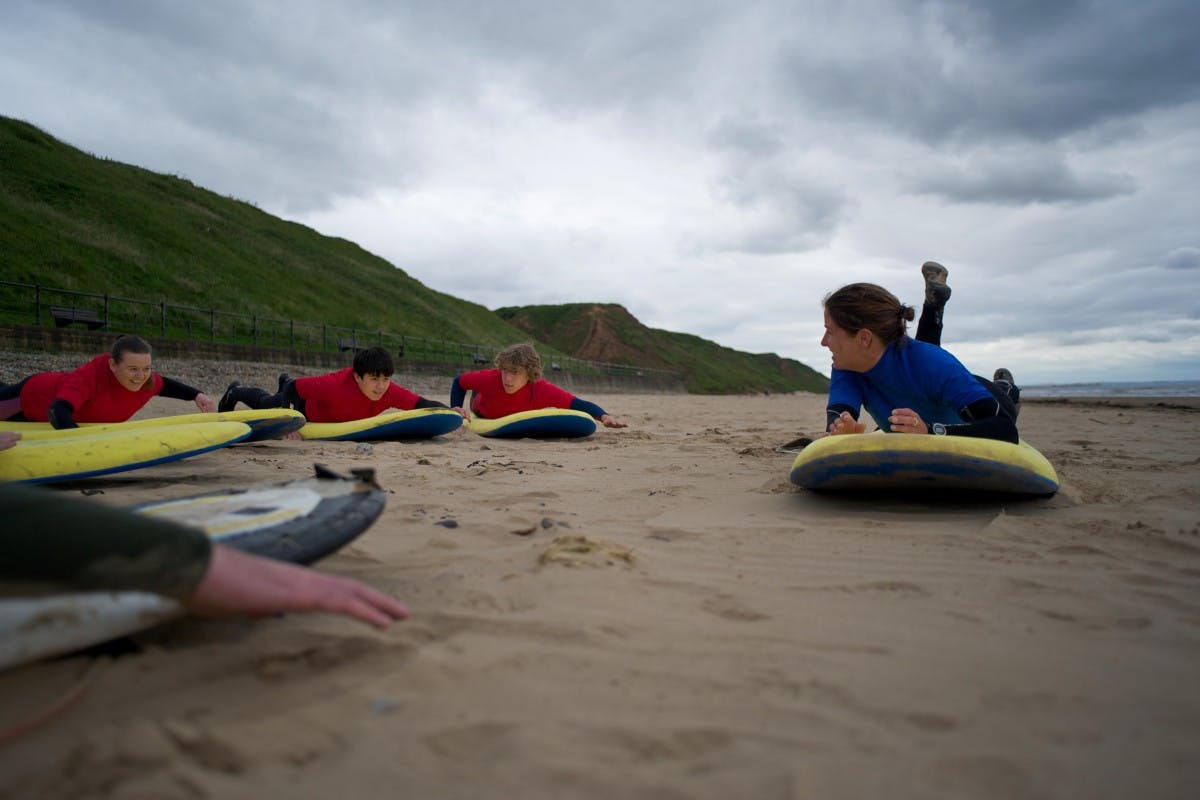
(608, 332)
(73, 221)
(70, 220)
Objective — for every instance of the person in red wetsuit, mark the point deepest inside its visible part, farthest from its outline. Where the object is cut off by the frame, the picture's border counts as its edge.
(109, 388)
(516, 385)
(357, 392)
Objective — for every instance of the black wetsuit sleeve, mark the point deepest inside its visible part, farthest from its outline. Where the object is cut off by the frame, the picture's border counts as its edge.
(424, 402)
(175, 390)
(457, 394)
(834, 412)
(51, 540)
(986, 419)
(62, 415)
(588, 408)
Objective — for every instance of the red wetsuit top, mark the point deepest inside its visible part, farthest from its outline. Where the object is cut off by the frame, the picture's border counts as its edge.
(92, 390)
(493, 402)
(336, 398)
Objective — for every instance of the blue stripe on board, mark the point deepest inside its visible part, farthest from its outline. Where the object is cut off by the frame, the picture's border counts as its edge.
(423, 427)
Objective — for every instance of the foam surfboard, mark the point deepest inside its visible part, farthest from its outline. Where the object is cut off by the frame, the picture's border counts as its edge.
(299, 521)
(542, 423)
(419, 423)
(890, 461)
(89, 454)
(267, 423)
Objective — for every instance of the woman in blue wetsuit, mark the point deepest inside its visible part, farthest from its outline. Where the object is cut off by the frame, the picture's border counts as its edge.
(907, 385)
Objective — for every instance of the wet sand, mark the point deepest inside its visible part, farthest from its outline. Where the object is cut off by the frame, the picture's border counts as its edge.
(657, 613)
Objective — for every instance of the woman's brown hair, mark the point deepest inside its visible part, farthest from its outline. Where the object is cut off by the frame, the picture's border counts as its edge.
(860, 306)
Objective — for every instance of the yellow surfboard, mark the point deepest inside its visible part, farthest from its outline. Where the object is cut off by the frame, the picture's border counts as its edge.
(890, 461)
(268, 423)
(87, 454)
(419, 423)
(542, 423)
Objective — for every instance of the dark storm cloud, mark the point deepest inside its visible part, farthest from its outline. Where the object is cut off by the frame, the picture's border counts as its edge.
(294, 91)
(582, 55)
(996, 71)
(1183, 258)
(1033, 176)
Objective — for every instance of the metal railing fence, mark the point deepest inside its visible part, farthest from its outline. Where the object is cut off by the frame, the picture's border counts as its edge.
(38, 305)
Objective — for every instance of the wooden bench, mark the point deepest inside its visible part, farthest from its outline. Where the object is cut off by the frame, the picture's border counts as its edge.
(64, 316)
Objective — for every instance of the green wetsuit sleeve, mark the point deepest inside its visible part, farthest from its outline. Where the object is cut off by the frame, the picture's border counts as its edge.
(66, 542)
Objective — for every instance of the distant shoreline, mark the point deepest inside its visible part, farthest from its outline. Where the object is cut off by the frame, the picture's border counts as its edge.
(1166, 402)
(1157, 389)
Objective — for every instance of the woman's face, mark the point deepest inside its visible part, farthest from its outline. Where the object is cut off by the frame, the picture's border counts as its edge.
(845, 347)
(514, 380)
(132, 371)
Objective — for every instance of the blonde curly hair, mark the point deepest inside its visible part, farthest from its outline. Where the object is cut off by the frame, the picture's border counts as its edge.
(520, 358)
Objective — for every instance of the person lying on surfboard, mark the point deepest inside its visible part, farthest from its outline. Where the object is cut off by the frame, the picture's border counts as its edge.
(109, 388)
(516, 384)
(362, 390)
(907, 385)
(66, 543)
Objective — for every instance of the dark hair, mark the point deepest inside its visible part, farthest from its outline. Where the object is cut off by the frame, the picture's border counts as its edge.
(373, 361)
(520, 358)
(866, 306)
(129, 344)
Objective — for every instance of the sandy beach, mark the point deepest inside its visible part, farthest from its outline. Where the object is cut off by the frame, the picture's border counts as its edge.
(656, 612)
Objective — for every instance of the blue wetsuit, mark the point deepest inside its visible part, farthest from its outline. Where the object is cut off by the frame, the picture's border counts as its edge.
(930, 381)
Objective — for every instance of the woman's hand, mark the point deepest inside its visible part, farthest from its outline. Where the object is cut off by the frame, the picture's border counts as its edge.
(905, 420)
(240, 583)
(609, 421)
(846, 423)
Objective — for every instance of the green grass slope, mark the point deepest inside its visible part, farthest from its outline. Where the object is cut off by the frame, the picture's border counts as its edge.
(74, 221)
(609, 332)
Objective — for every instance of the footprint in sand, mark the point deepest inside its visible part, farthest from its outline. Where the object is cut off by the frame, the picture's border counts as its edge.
(205, 749)
(480, 741)
(315, 657)
(580, 551)
(729, 607)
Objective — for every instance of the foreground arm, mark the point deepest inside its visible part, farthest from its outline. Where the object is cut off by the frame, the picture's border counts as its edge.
(240, 583)
(8, 439)
(52, 541)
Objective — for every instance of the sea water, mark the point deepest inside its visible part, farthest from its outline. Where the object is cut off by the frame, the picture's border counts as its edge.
(1115, 389)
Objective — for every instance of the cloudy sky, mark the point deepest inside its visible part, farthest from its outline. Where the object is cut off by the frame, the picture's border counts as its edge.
(715, 167)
